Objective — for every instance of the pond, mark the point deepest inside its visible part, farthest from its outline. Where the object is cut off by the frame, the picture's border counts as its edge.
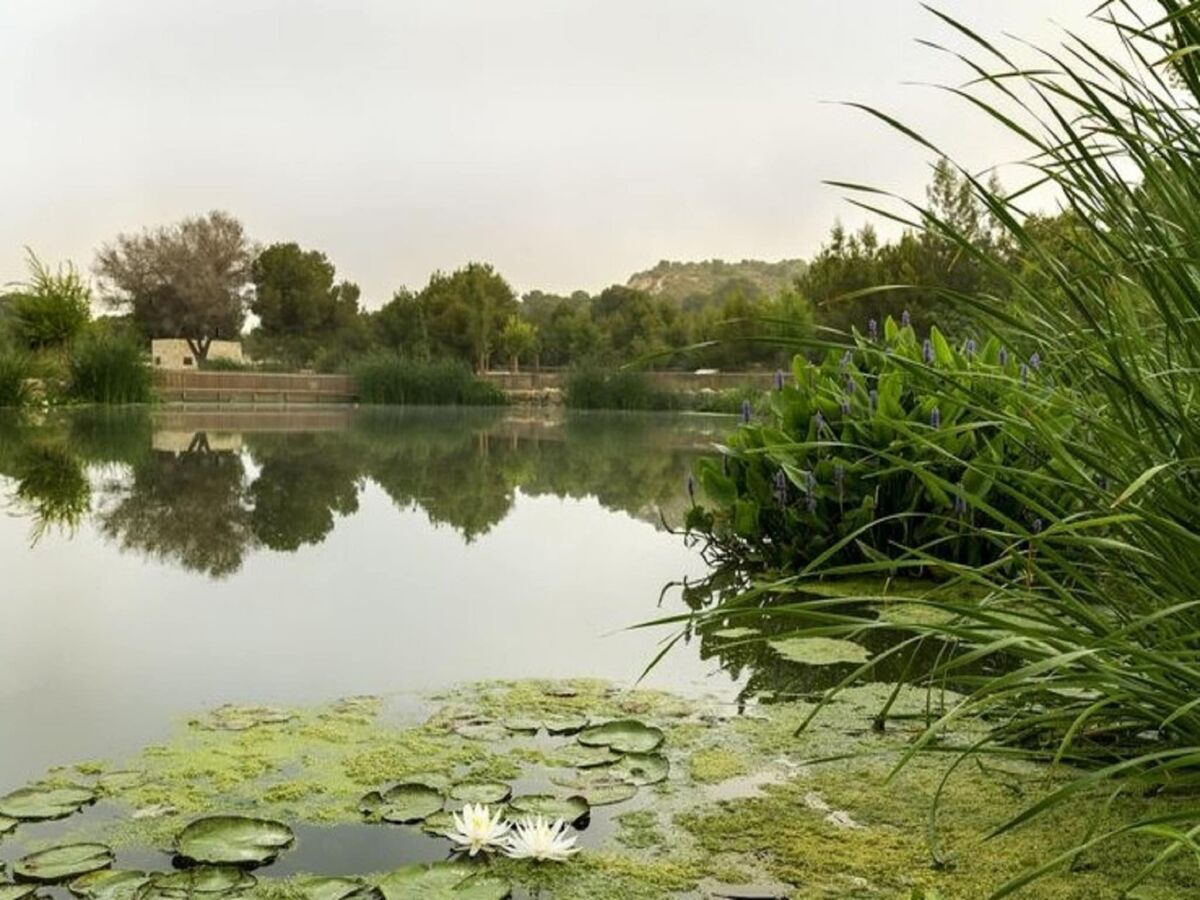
(161, 562)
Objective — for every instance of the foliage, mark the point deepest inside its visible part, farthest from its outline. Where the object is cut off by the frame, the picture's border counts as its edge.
(300, 309)
(689, 283)
(109, 367)
(1099, 628)
(518, 339)
(52, 308)
(16, 368)
(466, 311)
(181, 281)
(593, 387)
(391, 379)
(880, 448)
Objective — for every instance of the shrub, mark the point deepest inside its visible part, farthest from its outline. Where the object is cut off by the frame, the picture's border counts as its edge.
(16, 368)
(877, 450)
(109, 368)
(53, 308)
(387, 378)
(592, 387)
(225, 364)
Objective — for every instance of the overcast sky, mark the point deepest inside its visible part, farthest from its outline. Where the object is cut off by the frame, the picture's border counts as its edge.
(569, 142)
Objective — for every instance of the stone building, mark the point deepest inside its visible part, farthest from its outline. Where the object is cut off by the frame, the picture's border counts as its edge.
(174, 353)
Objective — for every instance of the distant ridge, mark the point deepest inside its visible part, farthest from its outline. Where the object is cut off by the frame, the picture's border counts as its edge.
(680, 280)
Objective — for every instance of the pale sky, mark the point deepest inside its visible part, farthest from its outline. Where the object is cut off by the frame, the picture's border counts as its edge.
(568, 142)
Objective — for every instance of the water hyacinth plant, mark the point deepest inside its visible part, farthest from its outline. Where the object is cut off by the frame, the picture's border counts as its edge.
(1099, 492)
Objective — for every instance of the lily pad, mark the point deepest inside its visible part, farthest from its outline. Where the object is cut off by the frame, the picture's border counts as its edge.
(409, 802)
(581, 757)
(17, 891)
(7, 824)
(37, 803)
(565, 724)
(442, 881)
(231, 717)
(322, 887)
(108, 884)
(440, 823)
(570, 809)
(641, 768)
(62, 863)
(202, 881)
(481, 731)
(748, 891)
(523, 725)
(600, 790)
(623, 736)
(486, 792)
(234, 840)
(819, 651)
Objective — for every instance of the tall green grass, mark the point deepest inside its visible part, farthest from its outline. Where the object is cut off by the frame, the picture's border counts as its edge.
(394, 380)
(16, 368)
(595, 387)
(1094, 599)
(108, 368)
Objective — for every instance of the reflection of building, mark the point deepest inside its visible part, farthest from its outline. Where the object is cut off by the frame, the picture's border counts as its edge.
(174, 353)
(186, 441)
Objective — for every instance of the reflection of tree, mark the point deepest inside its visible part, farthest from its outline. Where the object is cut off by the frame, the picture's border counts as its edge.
(53, 487)
(188, 508)
(304, 480)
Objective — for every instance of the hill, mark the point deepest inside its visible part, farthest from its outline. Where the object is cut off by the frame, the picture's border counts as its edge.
(682, 280)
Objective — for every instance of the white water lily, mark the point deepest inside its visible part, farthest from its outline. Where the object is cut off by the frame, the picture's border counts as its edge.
(540, 840)
(476, 828)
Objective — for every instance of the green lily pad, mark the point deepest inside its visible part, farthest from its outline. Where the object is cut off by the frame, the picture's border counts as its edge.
(231, 717)
(735, 634)
(108, 884)
(570, 809)
(623, 736)
(581, 757)
(62, 863)
(641, 768)
(7, 824)
(202, 881)
(523, 725)
(442, 881)
(321, 887)
(486, 792)
(233, 840)
(819, 651)
(565, 724)
(598, 790)
(440, 823)
(17, 891)
(37, 803)
(409, 802)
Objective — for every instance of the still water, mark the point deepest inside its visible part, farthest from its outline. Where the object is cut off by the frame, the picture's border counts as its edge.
(156, 563)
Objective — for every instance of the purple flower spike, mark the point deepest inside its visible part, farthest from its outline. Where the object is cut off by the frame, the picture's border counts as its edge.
(691, 488)
(1003, 356)
(872, 329)
(1035, 361)
(781, 487)
(1024, 374)
(819, 421)
(873, 397)
(1037, 526)
(847, 358)
(845, 407)
(935, 418)
(905, 319)
(970, 348)
(724, 465)
(851, 385)
(927, 352)
(960, 505)
(811, 503)
(778, 380)
(747, 412)
(839, 474)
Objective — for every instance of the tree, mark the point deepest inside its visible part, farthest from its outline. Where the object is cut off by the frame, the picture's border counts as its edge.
(467, 311)
(402, 325)
(52, 307)
(186, 280)
(517, 339)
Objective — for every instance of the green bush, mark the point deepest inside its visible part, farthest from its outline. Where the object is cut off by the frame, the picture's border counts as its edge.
(225, 364)
(16, 368)
(876, 451)
(109, 368)
(53, 307)
(593, 387)
(390, 379)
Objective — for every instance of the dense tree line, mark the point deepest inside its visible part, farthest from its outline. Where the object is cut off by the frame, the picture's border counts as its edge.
(201, 278)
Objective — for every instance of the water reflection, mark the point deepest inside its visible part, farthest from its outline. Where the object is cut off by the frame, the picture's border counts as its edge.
(205, 490)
